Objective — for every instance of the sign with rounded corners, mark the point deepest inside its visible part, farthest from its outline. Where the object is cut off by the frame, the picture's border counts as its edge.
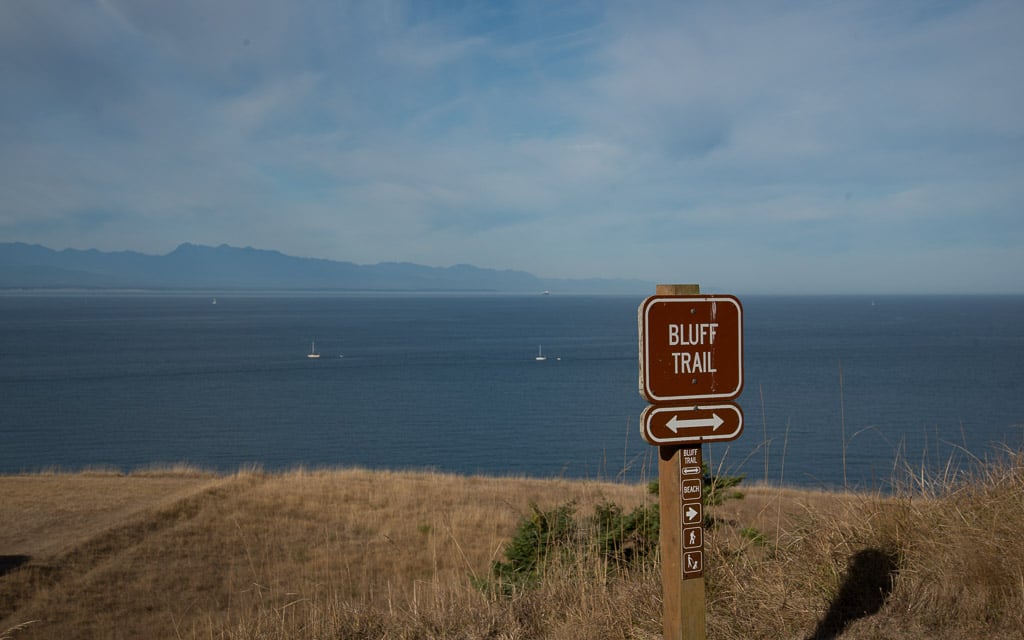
(664, 425)
(691, 348)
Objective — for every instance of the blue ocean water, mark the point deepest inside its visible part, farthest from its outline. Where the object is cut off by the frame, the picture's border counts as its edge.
(450, 381)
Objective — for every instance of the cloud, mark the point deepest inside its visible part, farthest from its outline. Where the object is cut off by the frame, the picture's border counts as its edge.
(573, 139)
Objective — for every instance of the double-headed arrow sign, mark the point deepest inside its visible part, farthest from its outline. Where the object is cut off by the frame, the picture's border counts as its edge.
(679, 425)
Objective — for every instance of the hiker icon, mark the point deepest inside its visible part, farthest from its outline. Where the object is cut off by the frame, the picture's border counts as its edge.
(693, 538)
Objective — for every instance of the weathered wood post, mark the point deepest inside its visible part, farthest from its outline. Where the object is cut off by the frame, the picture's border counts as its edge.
(683, 617)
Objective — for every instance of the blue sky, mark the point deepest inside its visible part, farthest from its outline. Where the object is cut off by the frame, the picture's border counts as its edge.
(750, 147)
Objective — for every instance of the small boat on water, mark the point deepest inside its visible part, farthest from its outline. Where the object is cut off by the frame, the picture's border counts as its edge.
(312, 351)
(540, 355)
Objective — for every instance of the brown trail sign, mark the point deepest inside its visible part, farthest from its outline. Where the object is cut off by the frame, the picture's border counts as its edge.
(691, 348)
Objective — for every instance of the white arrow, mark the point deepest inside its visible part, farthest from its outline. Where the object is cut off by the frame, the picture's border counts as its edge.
(691, 513)
(675, 424)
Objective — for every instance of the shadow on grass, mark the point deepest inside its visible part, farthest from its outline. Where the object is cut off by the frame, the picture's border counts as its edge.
(866, 587)
(10, 563)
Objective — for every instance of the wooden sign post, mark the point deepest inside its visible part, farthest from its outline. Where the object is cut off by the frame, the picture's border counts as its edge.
(682, 556)
(683, 615)
(691, 357)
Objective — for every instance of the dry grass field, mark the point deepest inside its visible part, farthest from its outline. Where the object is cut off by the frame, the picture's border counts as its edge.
(346, 554)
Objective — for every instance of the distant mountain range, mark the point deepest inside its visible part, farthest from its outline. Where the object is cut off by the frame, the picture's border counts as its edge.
(25, 266)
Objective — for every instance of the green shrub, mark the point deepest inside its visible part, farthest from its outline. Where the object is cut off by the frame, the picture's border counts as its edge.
(626, 538)
(537, 537)
(616, 538)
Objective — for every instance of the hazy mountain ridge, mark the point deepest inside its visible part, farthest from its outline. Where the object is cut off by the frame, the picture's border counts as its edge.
(190, 266)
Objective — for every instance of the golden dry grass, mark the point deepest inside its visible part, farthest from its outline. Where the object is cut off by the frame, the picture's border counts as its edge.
(229, 552)
(358, 554)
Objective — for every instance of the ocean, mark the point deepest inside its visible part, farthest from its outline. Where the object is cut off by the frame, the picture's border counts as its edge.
(838, 390)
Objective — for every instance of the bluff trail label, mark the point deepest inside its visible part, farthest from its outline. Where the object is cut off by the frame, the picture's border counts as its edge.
(691, 348)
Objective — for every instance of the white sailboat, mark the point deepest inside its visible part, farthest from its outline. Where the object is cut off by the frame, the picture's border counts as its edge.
(312, 351)
(540, 355)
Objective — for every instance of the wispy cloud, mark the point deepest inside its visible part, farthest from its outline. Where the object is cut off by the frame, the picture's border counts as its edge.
(761, 146)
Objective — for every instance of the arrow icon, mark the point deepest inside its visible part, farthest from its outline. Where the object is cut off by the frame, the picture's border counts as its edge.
(676, 425)
(691, 513)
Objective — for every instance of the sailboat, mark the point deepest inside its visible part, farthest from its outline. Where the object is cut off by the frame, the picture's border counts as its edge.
(540, 355)
(312, 351)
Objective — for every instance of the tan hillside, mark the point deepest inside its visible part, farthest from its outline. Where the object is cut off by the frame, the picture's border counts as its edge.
(360, 554)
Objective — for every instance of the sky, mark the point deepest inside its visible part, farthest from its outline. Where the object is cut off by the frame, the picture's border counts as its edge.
(749, 147)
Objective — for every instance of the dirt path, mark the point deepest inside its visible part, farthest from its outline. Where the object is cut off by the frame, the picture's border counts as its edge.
(43, 515)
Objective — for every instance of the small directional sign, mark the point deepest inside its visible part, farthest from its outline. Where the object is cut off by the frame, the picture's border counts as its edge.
(692, 513)
(693, 564)
(692, 489)
(677, 425)
(693, 538)
(691, 459)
